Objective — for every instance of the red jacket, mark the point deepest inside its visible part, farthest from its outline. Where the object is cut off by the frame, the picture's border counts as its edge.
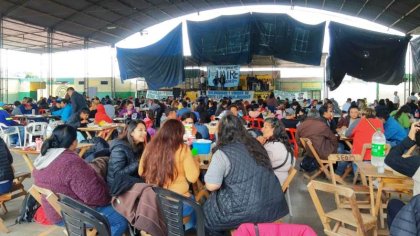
(363, 133)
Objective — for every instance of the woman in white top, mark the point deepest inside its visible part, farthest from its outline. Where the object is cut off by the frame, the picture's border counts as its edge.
(276, 142)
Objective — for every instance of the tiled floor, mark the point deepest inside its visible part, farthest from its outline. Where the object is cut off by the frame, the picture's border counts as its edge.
(303, 210)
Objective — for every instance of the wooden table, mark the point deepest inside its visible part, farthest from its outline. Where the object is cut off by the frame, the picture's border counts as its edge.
(25, 153)
(367, 169)
(104, 132)
(24, 118)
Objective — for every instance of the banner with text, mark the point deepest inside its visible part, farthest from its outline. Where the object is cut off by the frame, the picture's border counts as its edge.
(228, 74)
(235, 95)
(153, 94)
(283, 95)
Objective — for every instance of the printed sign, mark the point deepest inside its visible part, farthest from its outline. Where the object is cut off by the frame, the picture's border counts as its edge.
(223, 76)
(153, 94)
(235, 95)
(283, 95)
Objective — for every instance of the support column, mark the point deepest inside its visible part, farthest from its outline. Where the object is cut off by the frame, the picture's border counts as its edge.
(112, 73)
(50, 52)
(85, 79)
(2, 97)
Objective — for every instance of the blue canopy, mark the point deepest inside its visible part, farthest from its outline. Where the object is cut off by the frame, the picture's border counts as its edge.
(161, 64)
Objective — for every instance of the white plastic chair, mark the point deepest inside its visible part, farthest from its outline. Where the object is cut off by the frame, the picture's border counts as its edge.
(35, 129)
(7, 131)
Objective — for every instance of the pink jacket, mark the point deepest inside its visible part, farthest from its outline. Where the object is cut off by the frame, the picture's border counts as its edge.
(274, 229)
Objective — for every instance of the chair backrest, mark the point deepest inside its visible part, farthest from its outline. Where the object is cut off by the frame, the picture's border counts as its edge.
(286, 184)
(52, 199)
(307, 143)
(334, 158)
(292, 140)
(37, 128)
(348, 193)
(257, 123)
(77, 216)
(171, 208)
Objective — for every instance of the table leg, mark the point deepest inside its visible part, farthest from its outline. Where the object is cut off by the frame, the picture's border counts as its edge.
(28, 161)
(108, 136)
(349, 144)
(372, 197)
(378, 200)
(88, 135)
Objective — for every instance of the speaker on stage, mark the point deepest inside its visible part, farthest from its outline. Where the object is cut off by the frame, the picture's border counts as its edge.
(176, 92)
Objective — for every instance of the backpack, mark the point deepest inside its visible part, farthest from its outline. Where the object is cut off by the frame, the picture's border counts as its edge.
(100, 148)
(308, 164)
(28, 209)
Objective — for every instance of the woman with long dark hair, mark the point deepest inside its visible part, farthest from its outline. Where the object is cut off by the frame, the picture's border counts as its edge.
(62, 171)
(403, 116)
(276, 142)
(168, 162)
(126, 152)
(240, 168)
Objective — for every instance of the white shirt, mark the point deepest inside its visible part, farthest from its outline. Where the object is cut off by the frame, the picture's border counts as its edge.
(346, 106)
(396, 99)
(413, 98)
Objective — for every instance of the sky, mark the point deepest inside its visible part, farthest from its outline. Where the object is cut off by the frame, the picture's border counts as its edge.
(99, 60)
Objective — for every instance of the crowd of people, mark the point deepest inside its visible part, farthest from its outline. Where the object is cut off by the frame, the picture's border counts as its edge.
(245, 162)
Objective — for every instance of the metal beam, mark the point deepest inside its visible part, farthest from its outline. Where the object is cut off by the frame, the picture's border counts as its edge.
(361, 9)
(15, 7)
(78, 24)
(76, 12)
(384, 10)
(405, 15)
(86, 68)
(342, 5)
(50, 61)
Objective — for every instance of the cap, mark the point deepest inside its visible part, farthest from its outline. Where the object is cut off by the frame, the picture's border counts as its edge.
(290, 111)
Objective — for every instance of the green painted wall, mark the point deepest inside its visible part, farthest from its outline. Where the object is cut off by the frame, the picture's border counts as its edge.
(125, 94)
(24, 94)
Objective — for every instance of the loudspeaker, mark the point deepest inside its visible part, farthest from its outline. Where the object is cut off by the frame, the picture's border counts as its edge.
(176, 92)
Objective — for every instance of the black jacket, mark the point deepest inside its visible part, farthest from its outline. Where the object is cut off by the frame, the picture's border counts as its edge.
(77, 102)
(407, 221)
(249, 193)
(123, 161)
(6, 160)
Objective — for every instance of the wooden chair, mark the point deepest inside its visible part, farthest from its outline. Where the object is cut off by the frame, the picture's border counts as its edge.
(323, 164)
(343, 218)
(52, 199)
(359, 190)
(286, 185)
(16, 191)
(292, 140)
(257, 123)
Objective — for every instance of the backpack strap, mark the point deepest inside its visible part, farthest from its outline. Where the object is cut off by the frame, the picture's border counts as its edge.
(257, 231)
(284, 162)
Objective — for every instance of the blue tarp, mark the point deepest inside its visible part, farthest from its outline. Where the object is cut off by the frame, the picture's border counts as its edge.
(161, 64)
(233, 40)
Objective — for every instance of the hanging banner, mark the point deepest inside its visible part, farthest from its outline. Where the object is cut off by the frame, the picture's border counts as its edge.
(234, 95)
(228, 76)
(153, 94)
(283, 95)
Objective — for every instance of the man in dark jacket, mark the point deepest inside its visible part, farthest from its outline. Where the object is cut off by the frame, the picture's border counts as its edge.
(78, 102)
(407, 220)
(6, 170)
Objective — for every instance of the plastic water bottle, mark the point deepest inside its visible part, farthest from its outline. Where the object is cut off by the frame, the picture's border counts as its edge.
(378, 150)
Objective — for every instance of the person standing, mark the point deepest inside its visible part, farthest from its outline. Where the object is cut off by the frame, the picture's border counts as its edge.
(396, 100)
(78, 102)
(222, 80)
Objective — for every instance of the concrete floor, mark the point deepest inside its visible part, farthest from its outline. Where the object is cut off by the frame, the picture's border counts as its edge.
(303, 209)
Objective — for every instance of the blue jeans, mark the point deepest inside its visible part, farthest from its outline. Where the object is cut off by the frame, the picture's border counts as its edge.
(117, 222)
(189, 211)
(6, 186)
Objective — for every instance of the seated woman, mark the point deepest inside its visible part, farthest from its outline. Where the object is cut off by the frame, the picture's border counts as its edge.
(168, 162)
(6, 169)
(129, 111)
(276, 142)
(101, 117)
(198, 130)
(402, 116)
(150, 122)
(126, 152)
(406, 166)
(61, 170)
(240, 167)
